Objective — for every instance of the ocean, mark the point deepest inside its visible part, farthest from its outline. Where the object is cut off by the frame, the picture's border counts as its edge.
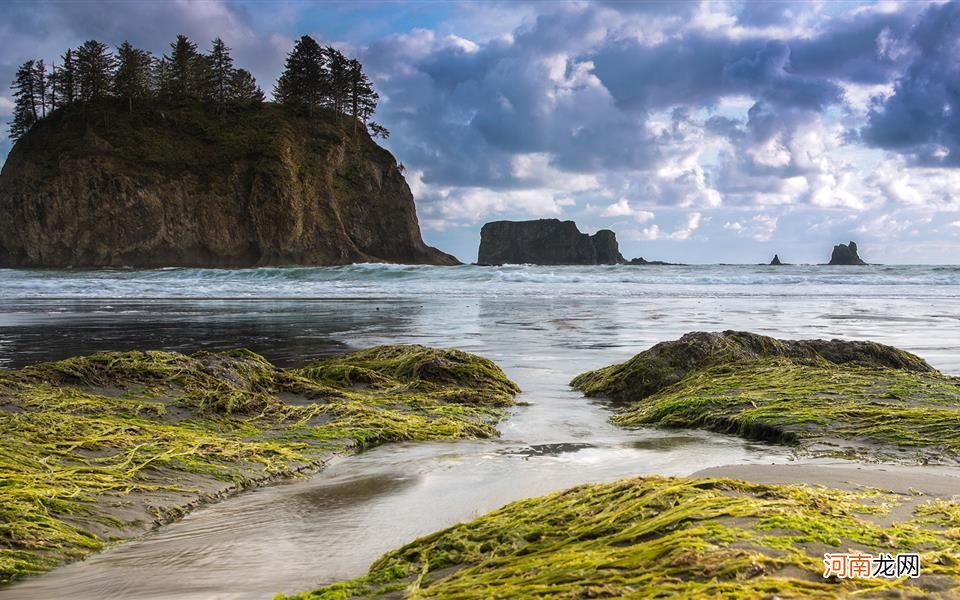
(542, 325)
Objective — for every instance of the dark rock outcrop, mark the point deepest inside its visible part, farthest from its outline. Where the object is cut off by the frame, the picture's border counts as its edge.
(776, 260)
(846, 255)
(98, 186)
(668, 362)
(545, 242)
(641, 261)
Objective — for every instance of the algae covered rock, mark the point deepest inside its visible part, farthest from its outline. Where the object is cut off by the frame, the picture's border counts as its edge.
(668, 362)
(180, 185)
(659, 537)
(836, 398)
(82, 436)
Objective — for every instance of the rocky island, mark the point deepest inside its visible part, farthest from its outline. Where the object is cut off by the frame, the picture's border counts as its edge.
(846, 254)
(176, 184)
(546, 242)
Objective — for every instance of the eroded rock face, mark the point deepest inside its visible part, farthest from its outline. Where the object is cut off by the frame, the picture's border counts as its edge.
(668, 362)
(846, 254)
(182, 187)
(546, 242)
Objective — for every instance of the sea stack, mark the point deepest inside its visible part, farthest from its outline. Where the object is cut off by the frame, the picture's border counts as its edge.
(182, 186)
(776, 261)
(846, 254)
(546, 242)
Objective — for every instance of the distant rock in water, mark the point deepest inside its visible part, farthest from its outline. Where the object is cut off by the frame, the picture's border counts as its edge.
(546, 242)
(846, 255)
(640, 261)
(776, 260)
(179, 185)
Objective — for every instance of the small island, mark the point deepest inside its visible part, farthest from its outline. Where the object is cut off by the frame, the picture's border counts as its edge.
(846, 254)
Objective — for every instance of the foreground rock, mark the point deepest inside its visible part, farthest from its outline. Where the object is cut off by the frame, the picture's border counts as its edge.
(658, 537)
(846, 255)
(830, 398)
(97, 186)
(546, 242)
(106, 446)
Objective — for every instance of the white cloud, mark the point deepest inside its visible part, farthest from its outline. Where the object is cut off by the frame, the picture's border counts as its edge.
(622, 208)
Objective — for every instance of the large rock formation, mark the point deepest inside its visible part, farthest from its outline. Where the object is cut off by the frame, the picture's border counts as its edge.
(846, 255)
(546, 242)
(776, 261)
(98, 186)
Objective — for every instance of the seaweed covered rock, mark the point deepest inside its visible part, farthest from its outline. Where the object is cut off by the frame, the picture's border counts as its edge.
(846, 254)
(546, 242)
(184, 185)
(660, 537)
(668, 362)
(80, 437)
(836, 398)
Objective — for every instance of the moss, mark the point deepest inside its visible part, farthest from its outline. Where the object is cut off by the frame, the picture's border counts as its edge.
(77, 431)
(666, 537)
(856, 408)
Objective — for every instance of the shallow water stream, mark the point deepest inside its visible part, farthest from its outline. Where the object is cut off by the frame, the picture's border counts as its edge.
(543, 326)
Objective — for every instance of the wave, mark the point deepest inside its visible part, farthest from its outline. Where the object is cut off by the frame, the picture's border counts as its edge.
(388, 280)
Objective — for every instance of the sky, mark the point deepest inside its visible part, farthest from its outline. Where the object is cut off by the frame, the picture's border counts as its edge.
(699, 132)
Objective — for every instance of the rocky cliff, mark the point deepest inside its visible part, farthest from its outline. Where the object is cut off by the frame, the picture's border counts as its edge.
(546, 242)
(97, 186)
(846, 255)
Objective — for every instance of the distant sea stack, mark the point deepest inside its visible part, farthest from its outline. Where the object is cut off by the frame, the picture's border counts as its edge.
(179, 185)
(846, 255)
(546, 242)
(776, 261)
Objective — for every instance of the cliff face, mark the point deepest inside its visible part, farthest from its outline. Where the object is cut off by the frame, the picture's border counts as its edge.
(545, 242)
(181, 186)
(846, 254)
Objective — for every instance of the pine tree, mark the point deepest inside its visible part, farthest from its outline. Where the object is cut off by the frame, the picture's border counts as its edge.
(133, 79)
(302, 84)
(243, 89)
(363, 99)
(25, 113)
(221, 65)
(377, 130)
(66, 81)
(338, 87)
(40, 86)
(53, 81)
(95, 66)
(183, 78)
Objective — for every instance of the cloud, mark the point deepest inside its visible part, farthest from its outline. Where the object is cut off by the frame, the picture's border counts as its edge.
(622, 208)
(921, 118)
(759, 228)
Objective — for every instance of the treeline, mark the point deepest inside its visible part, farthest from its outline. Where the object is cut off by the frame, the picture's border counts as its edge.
(314, 77)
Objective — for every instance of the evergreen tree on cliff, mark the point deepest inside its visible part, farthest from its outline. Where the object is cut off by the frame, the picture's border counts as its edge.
(185, 77)
(95, 66)
(133, 79)
(338, 88)
(221, 68)
(26, 104)
(302, 85)
(40, 86)
(363, 99)
(66, 79)
(243, 89)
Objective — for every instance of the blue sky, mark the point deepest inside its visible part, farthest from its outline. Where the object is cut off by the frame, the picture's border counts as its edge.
(697, 131)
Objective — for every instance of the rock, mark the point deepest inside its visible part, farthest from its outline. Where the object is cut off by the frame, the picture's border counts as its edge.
(776, 260)
(545, 242)
(641, 261)
(668, 362)
(97, 186)
(846, 255)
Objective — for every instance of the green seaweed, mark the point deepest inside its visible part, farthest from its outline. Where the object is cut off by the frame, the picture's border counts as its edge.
(859, 408)
(659, 537)
(78, 431)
